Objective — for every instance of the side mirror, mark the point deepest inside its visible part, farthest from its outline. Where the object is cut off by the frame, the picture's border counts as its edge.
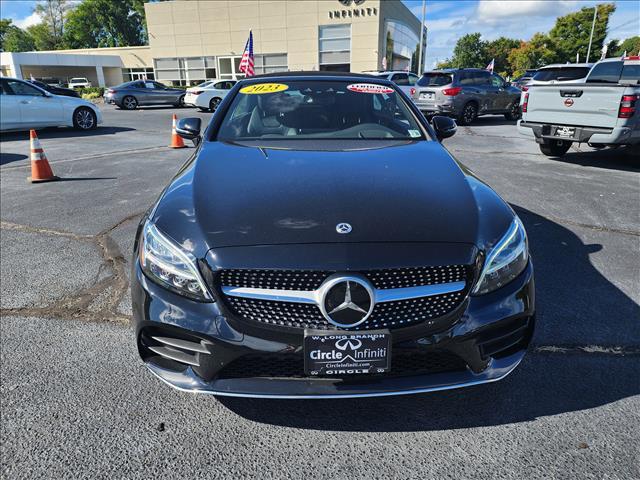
(445, 127)
(189, 128)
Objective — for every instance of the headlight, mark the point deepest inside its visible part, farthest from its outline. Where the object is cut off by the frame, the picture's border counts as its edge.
(505, 261)
(166, 263)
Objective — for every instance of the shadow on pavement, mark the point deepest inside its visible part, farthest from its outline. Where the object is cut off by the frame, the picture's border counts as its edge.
(625, 158)
(576, 305)
(6, 158)
(64, 133)
(487, 120)
(78, 179)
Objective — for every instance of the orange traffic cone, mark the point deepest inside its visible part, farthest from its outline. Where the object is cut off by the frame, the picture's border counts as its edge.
(40, 168)
(176, 140)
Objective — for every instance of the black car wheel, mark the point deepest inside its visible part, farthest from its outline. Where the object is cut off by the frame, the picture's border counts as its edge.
(85, 119)
(129, 103)
(469, 114)
(213, 103)
(180, 103)
(555, 148)
(514, 112)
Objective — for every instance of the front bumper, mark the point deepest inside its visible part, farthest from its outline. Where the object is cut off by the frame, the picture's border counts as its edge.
(490, 333)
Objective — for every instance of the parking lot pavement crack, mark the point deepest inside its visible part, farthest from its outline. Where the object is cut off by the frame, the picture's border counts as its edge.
(120, 222)
(45, 231)
(110, 289)
(624, 351)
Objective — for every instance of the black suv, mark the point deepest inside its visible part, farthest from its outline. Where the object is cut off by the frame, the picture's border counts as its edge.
(466, 93)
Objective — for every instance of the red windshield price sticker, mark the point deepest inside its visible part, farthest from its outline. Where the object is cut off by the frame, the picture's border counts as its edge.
(369, 88)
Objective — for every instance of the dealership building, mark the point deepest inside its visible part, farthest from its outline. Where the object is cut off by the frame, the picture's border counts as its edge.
(192, 40)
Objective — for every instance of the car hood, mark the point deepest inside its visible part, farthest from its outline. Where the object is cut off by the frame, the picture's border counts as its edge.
(241, 195)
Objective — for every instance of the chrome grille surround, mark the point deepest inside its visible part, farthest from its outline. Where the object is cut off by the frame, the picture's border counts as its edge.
(400, 303)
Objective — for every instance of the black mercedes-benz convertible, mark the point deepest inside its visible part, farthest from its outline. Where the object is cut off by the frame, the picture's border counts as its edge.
(321, 242)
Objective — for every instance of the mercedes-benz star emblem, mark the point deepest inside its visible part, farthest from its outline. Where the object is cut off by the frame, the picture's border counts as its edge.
(346, 301)
(343, 228)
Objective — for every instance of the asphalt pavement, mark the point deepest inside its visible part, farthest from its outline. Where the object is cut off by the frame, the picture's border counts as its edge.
(76, 402)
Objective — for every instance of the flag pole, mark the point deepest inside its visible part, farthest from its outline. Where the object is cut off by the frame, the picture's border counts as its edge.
(420, 63)
(593, 24)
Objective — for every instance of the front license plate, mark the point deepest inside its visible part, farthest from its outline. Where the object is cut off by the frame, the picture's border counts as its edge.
(346, 353)
(565, 131)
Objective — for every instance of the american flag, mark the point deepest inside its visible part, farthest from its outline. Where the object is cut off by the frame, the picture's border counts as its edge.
(246, 62)
(491, 65)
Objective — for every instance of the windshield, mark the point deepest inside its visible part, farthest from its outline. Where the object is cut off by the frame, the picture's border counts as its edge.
(435, 79)
(318, 109)
(561, 73)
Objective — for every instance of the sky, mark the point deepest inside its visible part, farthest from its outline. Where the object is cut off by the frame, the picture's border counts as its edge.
(448, 20)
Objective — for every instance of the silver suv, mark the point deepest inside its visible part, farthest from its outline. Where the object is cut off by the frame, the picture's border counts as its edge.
(403, 79)
(465, 94)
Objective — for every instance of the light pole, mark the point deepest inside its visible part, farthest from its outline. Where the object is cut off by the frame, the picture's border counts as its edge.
(593, 24)
(420, 67)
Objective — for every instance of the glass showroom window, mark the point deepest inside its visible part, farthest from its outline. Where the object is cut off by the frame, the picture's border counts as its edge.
(271, 63)
(131, 74)
(402, 46)
(335, 48)
(185, 71)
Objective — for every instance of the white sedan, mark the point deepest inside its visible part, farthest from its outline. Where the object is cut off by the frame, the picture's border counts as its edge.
(24, 106)
(209, 98)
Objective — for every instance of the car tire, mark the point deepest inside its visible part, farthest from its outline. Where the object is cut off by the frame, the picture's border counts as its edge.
(555, 148)
(213, 103)
(468, 114)
(129, 103)
(180, 103)
(84, 118)
(514, 112)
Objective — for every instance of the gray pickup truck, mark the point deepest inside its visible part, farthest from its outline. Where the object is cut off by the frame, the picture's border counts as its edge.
(601, 111)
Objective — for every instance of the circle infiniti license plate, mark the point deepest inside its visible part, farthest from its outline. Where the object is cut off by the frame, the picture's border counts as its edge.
(342, 353)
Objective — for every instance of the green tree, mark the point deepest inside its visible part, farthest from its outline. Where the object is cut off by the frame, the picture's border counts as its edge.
(445, 64)
(43, 37)
(612, 48)
(499, 50)
(14, 39)
(631, 45)
(5, 24)
(470, 52)
(53, 14)
(535, 53)
(104, 23)
(571, 33)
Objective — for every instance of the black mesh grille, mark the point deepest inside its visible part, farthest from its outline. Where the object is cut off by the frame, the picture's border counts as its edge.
(290, 365)
(416, 276)
(385, 315)
(274, 279)
(301, 315)
(312, 279)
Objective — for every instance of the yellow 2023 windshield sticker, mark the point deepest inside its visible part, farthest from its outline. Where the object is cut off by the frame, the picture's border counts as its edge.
(260, 88)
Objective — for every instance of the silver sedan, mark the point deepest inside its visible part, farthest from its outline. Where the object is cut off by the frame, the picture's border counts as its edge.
(130, 95)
